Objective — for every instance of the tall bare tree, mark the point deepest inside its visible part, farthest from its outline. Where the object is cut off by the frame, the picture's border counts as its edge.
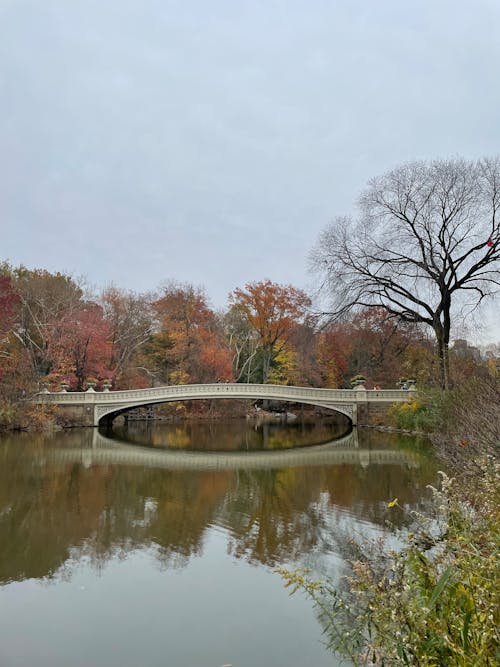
(425, 246)
(131, 322)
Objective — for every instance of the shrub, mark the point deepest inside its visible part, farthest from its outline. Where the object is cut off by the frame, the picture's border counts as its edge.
(434, 602)
(473, 407)
(470, 424)
(9, 414)
(413, 415)
(38, 417)
(26, 416)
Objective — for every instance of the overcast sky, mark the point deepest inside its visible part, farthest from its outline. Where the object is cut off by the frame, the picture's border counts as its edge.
(211, 141)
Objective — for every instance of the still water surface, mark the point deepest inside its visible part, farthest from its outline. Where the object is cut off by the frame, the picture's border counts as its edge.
(158, 548)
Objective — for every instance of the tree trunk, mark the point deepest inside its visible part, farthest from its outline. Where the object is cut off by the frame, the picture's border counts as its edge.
(266, 366)
(443, 340)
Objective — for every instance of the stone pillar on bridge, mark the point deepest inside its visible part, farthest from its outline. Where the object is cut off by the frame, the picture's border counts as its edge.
(360, 408)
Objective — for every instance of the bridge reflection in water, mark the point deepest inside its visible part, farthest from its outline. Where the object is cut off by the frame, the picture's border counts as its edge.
(344, 450)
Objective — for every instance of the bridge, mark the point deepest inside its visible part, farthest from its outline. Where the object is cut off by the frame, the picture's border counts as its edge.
(110, 451)
(105, 405)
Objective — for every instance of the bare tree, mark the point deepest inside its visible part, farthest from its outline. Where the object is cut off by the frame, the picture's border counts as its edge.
(130, 318)
(243, 342)
(425, 247)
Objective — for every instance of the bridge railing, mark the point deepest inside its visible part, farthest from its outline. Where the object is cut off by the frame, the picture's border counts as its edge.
(232, 390)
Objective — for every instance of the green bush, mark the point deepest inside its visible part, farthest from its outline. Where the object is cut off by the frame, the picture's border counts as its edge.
(9, 415)
(419, 413)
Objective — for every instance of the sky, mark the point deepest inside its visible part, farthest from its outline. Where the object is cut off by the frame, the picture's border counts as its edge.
(211, 142)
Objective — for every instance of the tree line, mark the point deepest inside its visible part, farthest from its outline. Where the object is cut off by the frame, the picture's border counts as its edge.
(53, 332)
(424, 250)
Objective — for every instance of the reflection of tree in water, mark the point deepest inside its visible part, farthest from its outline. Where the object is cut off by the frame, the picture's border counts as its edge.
(52, 514)
(272, 515)
(42, 514)
(281, 515)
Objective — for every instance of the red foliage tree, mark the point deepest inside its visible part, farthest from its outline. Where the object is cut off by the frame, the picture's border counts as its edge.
(9, 302)
(12, 360)
(83, 346)
(333, 349)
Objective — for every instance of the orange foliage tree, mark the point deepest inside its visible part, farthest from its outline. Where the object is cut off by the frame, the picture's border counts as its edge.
(9, 300)
(379, 344)
(272, 311)
(189, 345)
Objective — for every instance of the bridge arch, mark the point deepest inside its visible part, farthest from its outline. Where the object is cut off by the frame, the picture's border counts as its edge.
(105, 413)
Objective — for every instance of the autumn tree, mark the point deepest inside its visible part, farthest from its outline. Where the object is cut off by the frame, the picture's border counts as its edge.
(83, 346)
(303, 343)
(45, 299)
(297, 363)
(420, 361)
(425, 246)
(131, 321)
(378, 344)
(12, 360)
(271, 310)
(9, 301)
(215, 357)
(368, 343)
(182, 312)
(189, 344)
(333, 348)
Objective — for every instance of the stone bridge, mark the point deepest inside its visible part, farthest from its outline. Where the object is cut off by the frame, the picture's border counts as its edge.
(345, 450)
(99, 407)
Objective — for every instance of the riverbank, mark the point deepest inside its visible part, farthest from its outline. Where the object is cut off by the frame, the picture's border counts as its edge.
(435, 599)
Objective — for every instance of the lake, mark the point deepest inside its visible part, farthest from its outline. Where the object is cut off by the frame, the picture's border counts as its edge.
(156, 545)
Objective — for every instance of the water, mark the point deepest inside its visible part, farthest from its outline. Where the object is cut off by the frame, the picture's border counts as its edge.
(158, 549)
